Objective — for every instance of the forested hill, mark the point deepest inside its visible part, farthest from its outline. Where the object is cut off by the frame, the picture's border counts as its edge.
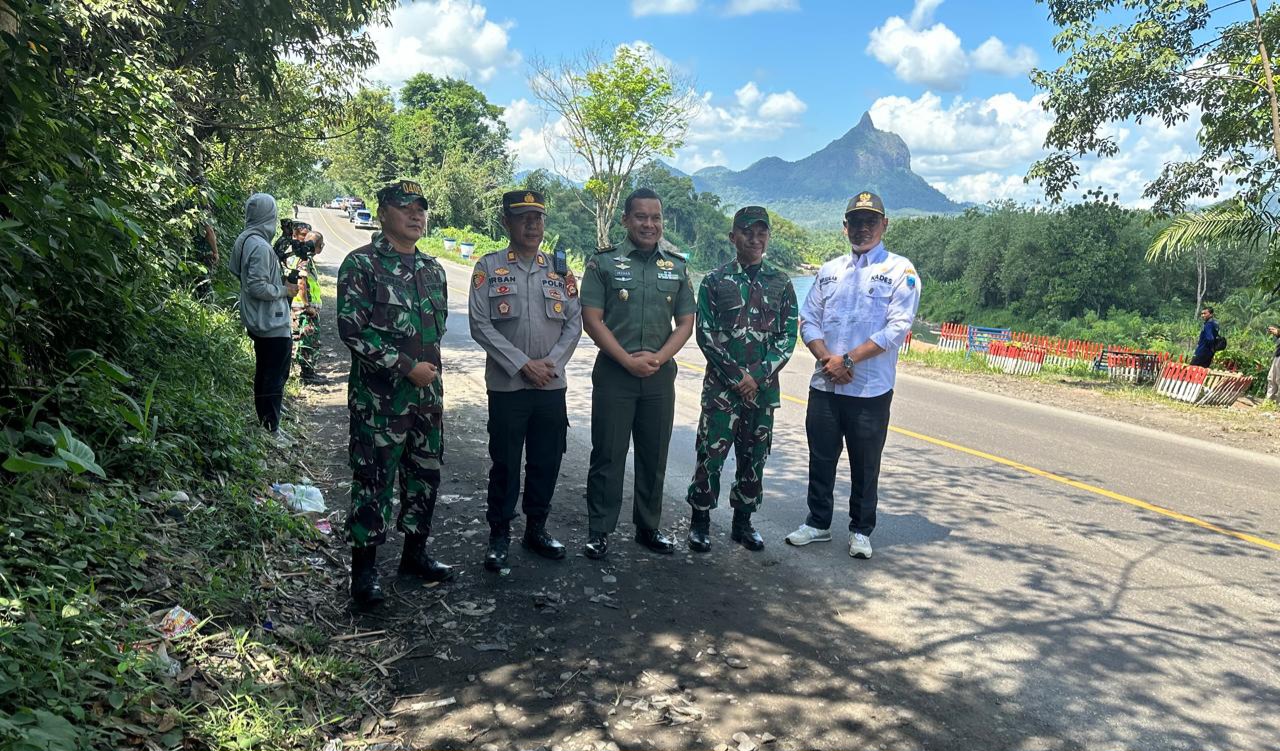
(813, 191)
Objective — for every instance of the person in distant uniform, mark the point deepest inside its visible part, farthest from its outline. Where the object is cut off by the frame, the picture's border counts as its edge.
(853, 320)
(524, 312)
(631, 295)
(1206, 345)
(747, 331)
(1273, 374)
(392, 304)
(305, 308)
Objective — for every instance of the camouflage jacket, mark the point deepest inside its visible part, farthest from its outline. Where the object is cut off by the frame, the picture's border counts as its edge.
(391, 315)
(745, 327)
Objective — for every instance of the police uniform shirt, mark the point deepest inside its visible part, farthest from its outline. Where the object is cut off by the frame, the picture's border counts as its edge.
(858, 298)
(640, 293)
(521, 312)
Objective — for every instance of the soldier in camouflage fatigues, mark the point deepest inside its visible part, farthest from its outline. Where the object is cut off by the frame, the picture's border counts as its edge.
(305, 309)
(747, 330)
(392, 304)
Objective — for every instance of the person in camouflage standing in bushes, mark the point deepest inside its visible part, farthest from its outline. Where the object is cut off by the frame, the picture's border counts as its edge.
(747, 330)
(392, 305)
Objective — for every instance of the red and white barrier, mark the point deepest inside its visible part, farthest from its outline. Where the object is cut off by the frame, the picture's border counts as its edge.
(1123, 367)
(1014, 358)
(954, 337)
(1196, 385)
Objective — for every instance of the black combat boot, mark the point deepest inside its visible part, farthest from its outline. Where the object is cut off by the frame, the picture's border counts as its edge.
(743, 532)
(597, 546)
(414, 561)
(700, 531)
(311, 378)
(365, 590)
(495, 558)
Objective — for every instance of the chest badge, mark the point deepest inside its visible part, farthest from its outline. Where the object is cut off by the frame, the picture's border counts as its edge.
(558, 307)
(504, 308)
(623, 295)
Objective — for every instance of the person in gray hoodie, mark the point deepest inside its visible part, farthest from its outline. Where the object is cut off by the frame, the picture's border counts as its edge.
(264, 307)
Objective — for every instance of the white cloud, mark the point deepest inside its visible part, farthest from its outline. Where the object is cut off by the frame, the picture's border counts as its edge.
(748, 7)
(662, 7)
(442, 37)
(932, 55)
(993, 57)
(753, 116)
(692, 159)
(532, 136)
(979, 150)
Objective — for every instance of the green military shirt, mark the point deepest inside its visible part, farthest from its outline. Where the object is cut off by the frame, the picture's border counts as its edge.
(640, 293)
(745, 327)
(391, 315)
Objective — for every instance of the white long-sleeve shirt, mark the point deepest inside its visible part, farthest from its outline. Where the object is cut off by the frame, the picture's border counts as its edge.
(859, 298)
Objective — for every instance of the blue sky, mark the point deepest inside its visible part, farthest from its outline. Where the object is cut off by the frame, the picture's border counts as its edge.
(785, 77)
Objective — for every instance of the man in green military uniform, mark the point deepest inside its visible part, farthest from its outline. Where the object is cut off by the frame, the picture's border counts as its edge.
(630, 295)
(305, 307)
(747, 330)
(392, 305)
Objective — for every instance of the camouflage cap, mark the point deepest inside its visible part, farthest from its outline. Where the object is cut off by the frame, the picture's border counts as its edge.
(749, 215)
(865, 201)
(523, 201)
(401, 193)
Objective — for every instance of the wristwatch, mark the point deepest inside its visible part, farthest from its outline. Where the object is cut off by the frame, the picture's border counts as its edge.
(848, 362)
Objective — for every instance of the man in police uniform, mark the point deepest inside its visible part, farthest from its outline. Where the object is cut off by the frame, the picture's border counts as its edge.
(630, 294)
(747, 331)
(524, 312)
(856, 315)
(391, 314)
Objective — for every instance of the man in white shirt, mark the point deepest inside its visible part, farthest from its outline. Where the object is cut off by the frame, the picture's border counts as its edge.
(856, 315)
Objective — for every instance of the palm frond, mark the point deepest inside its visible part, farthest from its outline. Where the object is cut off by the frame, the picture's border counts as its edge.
(1232, 223)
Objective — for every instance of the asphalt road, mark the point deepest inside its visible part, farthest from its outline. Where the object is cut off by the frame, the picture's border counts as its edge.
(1074, 581)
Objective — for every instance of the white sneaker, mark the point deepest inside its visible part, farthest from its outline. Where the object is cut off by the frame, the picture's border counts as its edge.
(807, 534)
(859, 545)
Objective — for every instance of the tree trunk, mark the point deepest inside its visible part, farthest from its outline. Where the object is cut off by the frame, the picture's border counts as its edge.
(1202, 277)
(1268, 80)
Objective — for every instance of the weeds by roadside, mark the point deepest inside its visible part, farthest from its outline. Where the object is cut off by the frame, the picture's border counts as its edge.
(137, 484)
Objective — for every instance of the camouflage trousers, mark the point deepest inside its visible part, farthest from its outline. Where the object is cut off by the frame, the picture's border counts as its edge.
(306, 332)
(749, 431)
(384, 448)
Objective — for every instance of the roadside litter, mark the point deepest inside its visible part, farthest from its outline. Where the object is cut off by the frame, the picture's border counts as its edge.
(302, 498)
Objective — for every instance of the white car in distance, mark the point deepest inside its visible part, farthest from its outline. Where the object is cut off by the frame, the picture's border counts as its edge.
(365, 220)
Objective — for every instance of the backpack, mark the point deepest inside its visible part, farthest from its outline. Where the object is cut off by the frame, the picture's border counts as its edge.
(1219, 343)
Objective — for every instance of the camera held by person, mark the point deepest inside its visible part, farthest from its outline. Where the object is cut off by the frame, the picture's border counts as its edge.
(293, 243)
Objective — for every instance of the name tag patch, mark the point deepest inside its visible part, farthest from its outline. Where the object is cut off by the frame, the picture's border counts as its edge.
(882, 279)
(669, 276)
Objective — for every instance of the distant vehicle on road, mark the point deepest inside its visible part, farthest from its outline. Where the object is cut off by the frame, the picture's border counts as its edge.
(364, 220)
(336, 203)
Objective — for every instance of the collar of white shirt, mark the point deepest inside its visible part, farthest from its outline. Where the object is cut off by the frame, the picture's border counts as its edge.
(875, 255)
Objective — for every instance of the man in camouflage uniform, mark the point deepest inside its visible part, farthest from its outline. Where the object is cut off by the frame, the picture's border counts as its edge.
(747, 330)
(392, 305)
(305, 308)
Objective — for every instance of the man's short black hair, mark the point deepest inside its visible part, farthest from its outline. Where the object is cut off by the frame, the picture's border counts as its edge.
(639, 194)
(1208, 309)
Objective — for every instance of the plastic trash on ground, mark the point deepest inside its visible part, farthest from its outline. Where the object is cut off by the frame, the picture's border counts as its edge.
(177, 622)
(302, 498)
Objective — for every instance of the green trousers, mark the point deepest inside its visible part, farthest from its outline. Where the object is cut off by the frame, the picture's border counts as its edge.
(626, 409)
(746, 430)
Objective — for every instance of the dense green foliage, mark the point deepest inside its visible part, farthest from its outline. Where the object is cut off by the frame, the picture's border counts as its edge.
(123, 127)
(445, 135)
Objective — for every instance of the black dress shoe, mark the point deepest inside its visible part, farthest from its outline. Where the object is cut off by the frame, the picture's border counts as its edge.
(700, 532)
(414, 561)
(597, 546)
(654, 540)
(541, 542)
(745, 534)
(495, 559)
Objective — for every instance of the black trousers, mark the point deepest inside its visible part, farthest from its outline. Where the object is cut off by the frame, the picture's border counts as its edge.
(272, 356)
(535, 424)
(1203, 361)
(860, 425)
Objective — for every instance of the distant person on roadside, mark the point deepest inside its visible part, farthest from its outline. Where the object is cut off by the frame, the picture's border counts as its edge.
(306, 311)
(1207, 345)
(747, 331)
(525, 313)
(264, 307)
(392, 305)
(638, 307)
(1273, 375)
(854, 318)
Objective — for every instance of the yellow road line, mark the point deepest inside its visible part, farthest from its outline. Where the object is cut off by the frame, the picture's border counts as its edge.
(1246, 537)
